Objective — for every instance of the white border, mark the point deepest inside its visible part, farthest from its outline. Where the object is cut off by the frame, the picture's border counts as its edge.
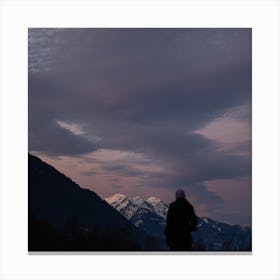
(262, 16)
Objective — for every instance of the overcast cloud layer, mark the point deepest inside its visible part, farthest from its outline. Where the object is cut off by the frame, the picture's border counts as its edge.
(163, 108)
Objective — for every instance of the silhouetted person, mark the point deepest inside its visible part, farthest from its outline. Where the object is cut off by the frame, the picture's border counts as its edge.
(181, 221)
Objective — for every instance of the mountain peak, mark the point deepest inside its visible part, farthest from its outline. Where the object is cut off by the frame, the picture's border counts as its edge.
(153, 199)
(138, 200)
(116, 197)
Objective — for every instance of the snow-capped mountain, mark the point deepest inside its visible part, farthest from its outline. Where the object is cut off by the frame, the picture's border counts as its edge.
(159, 207)
(150, 215)
(217, 236)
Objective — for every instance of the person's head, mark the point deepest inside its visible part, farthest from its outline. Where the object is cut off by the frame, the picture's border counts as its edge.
(180, 194)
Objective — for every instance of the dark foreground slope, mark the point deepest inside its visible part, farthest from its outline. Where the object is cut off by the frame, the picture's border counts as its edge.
(62, 216)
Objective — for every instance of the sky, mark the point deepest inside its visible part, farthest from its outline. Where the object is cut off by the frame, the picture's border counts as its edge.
(146, 111)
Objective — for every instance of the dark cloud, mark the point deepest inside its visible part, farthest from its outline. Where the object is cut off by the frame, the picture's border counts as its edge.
(129, 171)
(209, 198)
(144, 91)
(139, 76)
(55, 141)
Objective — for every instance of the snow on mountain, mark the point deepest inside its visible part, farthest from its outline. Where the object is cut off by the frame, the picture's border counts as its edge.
(130, 206)
(123, 204)
(147, 215)
(159, 207)
(217, 236)
(150, 216)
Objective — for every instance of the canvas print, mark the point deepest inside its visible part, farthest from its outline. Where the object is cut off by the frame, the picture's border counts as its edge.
(139, 139)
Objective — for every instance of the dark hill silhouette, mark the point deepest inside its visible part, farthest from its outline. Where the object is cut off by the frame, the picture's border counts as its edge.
(62, 216)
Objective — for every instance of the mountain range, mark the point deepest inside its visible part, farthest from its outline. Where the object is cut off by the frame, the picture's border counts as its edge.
(62, 216)
(150, 216)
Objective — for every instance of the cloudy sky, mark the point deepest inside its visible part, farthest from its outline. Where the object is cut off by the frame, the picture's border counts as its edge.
(146, 111)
